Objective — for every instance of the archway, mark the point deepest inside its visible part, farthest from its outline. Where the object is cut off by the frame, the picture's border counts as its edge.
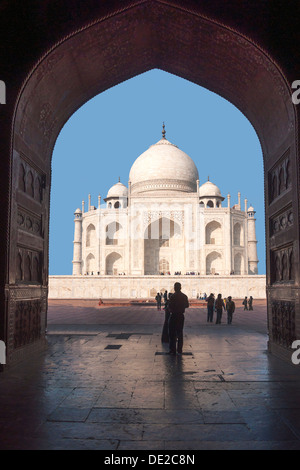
(238, 264)
(113, 232)
(114, 45)
(90, 264)
(113, 264)
(163, 247)
(238, 234)
(213, 233)
(214, 263)
(90, 235)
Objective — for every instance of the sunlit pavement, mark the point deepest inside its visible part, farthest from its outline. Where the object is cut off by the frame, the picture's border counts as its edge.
(106, 382)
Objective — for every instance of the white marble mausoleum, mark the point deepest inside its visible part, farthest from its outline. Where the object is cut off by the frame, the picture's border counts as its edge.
(164, 223)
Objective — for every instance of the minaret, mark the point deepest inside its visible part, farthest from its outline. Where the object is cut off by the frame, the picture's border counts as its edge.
(77, 243)
(252, 242)
(239, 201)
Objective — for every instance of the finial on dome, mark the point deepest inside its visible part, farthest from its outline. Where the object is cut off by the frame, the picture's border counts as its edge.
(208, 178)
(163, 131)
(119, 180)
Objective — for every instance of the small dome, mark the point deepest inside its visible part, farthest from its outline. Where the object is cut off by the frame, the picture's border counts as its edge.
(78, 211)
(117, 190)
(251, 209)
(209, 189)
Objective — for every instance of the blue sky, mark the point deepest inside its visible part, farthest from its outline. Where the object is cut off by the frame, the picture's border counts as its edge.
(100, 142)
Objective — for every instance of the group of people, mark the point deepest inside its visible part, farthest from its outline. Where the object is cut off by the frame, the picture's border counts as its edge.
(248, 303)
(218, 305)
(175, 305)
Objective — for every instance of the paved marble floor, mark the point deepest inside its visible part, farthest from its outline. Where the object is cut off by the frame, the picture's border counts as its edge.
(106, 382)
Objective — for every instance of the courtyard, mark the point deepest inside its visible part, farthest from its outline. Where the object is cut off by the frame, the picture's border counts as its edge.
(105, 382)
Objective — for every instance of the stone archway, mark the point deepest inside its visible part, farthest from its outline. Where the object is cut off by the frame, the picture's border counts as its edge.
(163, 247)
(103, 47)
(214, 263)
(113, 264)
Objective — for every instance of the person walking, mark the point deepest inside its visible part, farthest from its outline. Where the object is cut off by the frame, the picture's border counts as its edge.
(210, 307)
(250, 302)
(245, 303)
(177, 305)
(230, 307)
(219, 305)
(158, 300)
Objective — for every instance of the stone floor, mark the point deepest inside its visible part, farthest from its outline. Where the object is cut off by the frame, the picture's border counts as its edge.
(105, 382)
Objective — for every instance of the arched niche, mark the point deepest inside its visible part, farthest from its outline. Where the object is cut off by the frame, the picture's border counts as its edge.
(113, 264)
(214, 263)
(213, 233)
(90, 235)
(238, 234)
(90, 264)
(238, 264)
(113, 233)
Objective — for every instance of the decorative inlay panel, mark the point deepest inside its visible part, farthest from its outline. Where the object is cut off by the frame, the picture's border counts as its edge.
(165, 184)
(151, 216)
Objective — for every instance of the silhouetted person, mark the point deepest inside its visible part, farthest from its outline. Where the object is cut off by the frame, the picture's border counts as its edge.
(177, 305)
(250, 302)
(245, 303)
(210, 307)
(219, 305)
(230, 307)
(158, 301)
(165, 331)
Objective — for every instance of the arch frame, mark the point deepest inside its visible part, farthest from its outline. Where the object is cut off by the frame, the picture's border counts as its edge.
(165, 35)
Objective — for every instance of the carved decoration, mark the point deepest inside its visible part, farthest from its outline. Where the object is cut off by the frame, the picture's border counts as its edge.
(282, 265)
(27, 324)
(283, 323)
(28, 266)
(280, 177)
(48, 64)
(178, 185)
(31, 181)
(29, 222)
(152, 216)
(282, 221)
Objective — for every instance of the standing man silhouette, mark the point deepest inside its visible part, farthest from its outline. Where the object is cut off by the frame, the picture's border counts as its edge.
(177, 305)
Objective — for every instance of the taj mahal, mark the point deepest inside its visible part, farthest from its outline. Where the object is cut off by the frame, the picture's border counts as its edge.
(163, 226)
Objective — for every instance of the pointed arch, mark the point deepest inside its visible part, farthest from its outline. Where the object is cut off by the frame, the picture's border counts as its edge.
(90, 264)
(113, 264)
(214, 263)
(90, 235)
(238, 264)
(213, 233)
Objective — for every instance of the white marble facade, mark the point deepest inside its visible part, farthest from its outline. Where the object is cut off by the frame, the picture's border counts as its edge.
(164, 222)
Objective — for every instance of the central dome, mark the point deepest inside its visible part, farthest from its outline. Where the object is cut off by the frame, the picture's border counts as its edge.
(163, 167)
